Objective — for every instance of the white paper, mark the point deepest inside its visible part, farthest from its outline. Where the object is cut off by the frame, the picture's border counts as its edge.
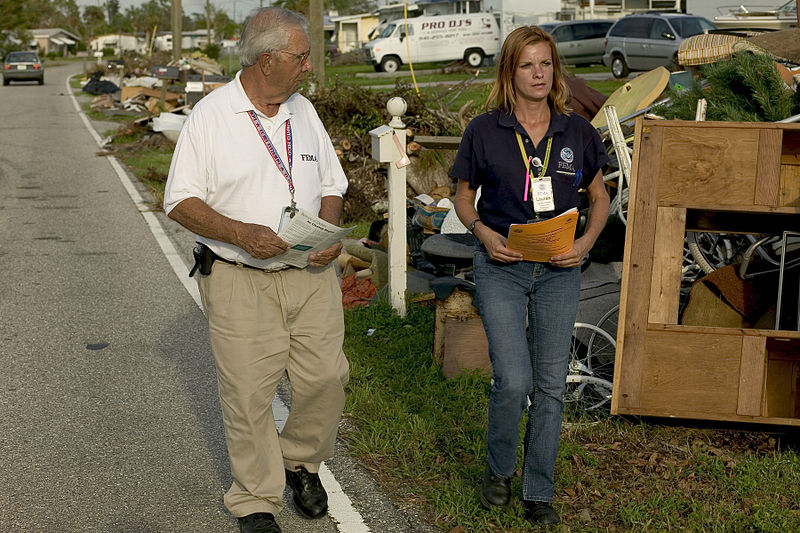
(306, 234)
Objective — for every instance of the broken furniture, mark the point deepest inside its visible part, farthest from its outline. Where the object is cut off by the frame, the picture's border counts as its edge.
(728, 177)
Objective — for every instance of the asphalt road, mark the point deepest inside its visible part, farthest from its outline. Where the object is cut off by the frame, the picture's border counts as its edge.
(109, 417)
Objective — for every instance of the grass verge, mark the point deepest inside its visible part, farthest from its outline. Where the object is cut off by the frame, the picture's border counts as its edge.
(423, 438)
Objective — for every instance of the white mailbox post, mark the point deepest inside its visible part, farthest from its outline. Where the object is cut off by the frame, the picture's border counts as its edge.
(388, 146)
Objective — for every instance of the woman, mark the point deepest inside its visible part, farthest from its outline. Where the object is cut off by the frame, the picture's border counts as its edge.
(530, 156)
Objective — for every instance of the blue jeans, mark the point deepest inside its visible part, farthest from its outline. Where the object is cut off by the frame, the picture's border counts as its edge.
(528, 311)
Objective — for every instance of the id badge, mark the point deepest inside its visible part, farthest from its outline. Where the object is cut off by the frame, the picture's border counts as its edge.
(543, 195)
(287, 213)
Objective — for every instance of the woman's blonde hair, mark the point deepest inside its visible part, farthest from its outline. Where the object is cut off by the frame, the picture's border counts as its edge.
(503, 94)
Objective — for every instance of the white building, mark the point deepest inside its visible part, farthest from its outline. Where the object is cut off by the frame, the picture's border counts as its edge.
(189, 40)
(119, 42)
(350, 32)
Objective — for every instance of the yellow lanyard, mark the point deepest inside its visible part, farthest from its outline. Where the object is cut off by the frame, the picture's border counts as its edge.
(527, 159)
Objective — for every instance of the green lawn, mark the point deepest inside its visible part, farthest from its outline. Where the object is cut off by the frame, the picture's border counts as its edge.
(424, 439)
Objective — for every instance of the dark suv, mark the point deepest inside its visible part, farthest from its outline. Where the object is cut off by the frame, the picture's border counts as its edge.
(644, 42)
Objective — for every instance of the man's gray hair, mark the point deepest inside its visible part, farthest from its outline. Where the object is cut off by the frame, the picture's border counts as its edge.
(267, 30)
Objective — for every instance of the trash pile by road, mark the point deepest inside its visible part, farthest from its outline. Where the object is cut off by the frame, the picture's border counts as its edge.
(153, 95)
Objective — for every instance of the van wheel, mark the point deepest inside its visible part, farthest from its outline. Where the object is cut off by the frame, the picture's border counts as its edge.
(619, 68)
(474, 58)
(390, 64)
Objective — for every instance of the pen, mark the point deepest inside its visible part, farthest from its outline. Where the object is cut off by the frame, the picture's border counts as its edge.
(577, 178)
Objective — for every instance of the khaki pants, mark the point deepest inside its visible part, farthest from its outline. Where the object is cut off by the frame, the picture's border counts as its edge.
(263, 325)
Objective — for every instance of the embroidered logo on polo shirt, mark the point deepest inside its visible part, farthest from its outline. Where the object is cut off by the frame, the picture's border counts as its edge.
(565, 163)
(308, 157)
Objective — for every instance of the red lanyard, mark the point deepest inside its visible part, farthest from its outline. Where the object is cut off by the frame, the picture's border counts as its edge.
(287, 172)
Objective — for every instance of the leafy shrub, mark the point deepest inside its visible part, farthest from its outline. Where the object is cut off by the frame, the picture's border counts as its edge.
(212, 51)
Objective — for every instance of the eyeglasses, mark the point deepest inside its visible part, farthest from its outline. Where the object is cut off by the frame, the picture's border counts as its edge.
(301, 58)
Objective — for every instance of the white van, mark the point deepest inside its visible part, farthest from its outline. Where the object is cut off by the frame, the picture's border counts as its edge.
(470, 37)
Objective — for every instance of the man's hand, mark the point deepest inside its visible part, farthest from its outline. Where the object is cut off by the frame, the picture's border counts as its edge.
(323, 257)
(260, 241)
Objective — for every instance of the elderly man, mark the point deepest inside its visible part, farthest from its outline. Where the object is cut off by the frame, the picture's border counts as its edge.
(251, 152)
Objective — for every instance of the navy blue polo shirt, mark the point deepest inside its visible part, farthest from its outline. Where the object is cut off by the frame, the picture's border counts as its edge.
(489, 157)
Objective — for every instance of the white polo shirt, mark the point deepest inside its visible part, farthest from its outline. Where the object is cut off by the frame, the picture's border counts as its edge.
(221, 159)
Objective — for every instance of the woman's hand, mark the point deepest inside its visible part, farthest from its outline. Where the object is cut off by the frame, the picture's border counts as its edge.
(574, 257)
(496, 245)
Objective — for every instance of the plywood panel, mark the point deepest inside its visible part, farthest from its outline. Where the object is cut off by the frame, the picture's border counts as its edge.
(707, 167)
(768, 167)
(781, 390)
(790, 186)
(691, 372)
(752, 375)
(667, 260)
(636, 268)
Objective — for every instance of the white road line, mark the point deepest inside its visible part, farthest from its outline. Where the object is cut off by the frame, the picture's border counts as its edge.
(340, 507)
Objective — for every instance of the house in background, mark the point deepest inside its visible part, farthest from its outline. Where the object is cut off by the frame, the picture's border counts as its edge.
(189, 40)
(196, 39)
(53, 40)
(350, 32)
(119, 42)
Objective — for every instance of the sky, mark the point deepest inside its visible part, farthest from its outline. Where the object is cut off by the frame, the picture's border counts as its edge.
(240, 7)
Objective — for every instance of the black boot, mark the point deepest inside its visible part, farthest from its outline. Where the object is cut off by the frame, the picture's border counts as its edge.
(495, 490)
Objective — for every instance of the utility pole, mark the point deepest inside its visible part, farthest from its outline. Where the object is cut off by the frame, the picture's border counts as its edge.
(208, 23)
(177, 21)
(316, 36)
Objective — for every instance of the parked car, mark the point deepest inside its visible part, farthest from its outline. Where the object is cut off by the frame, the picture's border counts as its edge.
(757, 18)
(644, 42)
(22, 66)
(469, 37)
(579, 42)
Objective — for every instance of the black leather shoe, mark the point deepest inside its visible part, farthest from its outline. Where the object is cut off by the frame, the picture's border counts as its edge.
(258, 523)
(310, 497)
(540, 513)
(495, 490)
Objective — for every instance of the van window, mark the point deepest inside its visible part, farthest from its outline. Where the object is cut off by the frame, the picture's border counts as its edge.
(688, 26)
(637, 28)
(388, 31)
(404, 29)
(563, 34)
(582, 31)
(599, 29)
(659, 30)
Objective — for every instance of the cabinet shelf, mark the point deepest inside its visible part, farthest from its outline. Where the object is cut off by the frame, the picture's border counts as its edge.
(719, 177)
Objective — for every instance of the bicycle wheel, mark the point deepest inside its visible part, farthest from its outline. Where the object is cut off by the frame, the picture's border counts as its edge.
(591, 372)
(586, 396)
(609, 322)
(715, 250)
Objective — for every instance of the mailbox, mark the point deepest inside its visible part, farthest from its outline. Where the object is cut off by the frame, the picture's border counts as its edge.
(383, 148)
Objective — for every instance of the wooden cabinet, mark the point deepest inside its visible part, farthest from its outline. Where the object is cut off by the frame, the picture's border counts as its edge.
(714, 177)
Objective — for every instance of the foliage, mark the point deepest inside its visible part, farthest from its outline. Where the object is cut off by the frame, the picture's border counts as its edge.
(746, 88)
(343, 7)
(212, 50)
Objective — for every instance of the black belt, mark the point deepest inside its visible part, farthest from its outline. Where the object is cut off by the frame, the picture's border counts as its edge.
(204, 258)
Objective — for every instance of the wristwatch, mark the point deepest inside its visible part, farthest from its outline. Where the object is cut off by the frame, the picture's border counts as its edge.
(471, 226)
